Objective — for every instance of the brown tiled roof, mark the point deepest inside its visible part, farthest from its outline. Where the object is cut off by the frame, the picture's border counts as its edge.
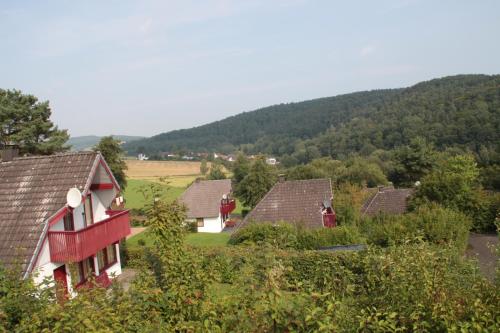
(203, 197)
(387, 200)
(298, 202)
(32, 189)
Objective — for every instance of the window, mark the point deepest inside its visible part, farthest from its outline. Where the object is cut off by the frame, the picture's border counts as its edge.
(85, 269)
(101, 260)
(199, 222)
(106, 257)
(88, 216)
(68, 221)
(111, 252)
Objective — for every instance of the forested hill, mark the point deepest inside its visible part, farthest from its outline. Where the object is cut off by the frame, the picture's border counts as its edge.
(459, 111)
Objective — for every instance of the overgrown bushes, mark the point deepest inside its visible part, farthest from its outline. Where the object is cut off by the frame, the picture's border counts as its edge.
(287, 236)
(431, 223)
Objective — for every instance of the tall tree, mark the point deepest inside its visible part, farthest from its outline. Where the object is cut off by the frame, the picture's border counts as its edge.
(241, 167)
(413, 161)
(113, 154)
(203, 167)
(256, 184)
(25, 122)
(216, 172)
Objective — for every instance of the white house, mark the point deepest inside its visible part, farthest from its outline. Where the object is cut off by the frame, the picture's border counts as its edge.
(43, 234)
(209, 204)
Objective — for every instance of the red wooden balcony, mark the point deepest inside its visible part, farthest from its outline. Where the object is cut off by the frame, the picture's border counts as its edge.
(228, 207)
(74, 246)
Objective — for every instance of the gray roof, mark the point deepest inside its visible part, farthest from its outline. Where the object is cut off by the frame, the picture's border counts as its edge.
(203, 197)
(297, 201)
(33, 189)
(387, 200)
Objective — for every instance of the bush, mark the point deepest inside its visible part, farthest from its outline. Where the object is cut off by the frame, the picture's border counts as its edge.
(431, 223)
(288, 236)
(192, 226)
(281, 235)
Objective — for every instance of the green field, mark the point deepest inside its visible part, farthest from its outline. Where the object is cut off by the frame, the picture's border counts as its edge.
(195, 239)
(134, 199)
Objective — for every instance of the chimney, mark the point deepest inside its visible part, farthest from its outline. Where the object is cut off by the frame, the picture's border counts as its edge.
(281, 178)
(381, 189)
(9, 152)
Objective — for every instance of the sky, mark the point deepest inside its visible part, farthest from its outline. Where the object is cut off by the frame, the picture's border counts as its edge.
(147, 67)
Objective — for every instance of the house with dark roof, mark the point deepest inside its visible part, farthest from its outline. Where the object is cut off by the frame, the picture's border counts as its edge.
(301, 202)
(209, 204)
(41, 233)
(387, 200)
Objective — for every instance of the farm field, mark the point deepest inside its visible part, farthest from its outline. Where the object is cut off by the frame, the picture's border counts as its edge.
(134, 198)
(155, 169)
(202, 239)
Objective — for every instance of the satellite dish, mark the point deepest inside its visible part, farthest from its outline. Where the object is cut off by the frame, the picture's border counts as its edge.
(224, 196)
(74, 197)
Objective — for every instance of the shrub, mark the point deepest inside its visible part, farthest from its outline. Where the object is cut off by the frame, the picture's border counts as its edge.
(432, 223)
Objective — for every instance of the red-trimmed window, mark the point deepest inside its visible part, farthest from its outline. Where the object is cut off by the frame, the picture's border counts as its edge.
(106, 257)
(85, 270)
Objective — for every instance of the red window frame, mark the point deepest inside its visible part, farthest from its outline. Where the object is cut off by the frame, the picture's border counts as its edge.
(107, 262)
(81, 272)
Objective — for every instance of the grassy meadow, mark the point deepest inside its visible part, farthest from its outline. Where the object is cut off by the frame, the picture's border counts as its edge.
(175, 177)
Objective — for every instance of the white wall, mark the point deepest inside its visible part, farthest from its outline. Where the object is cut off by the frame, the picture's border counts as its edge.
(212, 224)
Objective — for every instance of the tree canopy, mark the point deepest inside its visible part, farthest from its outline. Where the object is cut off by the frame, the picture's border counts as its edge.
(113, 154)
(25, 122)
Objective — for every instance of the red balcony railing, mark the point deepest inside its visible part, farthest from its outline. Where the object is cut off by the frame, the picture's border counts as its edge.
(228, 207)
(329, 220)
(74, 246)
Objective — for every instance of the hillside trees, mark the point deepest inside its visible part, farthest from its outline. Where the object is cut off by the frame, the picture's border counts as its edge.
(25, 122)
(113, 154)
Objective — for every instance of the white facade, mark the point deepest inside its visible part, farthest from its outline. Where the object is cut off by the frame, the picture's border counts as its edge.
(212, 224)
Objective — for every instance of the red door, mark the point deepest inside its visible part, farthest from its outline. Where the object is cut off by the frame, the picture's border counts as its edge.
(61, 282)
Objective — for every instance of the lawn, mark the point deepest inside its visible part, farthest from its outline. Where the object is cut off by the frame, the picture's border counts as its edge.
(135, 199)
(202, 239)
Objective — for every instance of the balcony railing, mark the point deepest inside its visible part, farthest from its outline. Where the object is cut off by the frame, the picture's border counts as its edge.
(74, 246)
(329, 220)
(228, 207)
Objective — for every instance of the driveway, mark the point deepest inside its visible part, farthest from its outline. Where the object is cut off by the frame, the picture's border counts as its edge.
(482, 247)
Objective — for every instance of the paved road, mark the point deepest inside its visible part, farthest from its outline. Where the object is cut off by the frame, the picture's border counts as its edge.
(482, 247)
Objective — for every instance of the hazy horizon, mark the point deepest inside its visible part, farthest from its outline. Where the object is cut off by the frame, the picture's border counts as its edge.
(145, 68)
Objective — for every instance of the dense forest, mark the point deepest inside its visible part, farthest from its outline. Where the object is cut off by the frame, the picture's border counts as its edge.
(460, 111)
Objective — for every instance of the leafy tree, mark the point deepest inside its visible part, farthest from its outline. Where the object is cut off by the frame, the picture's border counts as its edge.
(216, 172)
(25, 122)
(259, 180)
(241, 167)
(412, 162)
(113, 154)
(455, 184)
(203, 167)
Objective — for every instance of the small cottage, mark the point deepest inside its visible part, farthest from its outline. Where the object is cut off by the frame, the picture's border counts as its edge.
(300, 202)
(209, 204)
(387, 200)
